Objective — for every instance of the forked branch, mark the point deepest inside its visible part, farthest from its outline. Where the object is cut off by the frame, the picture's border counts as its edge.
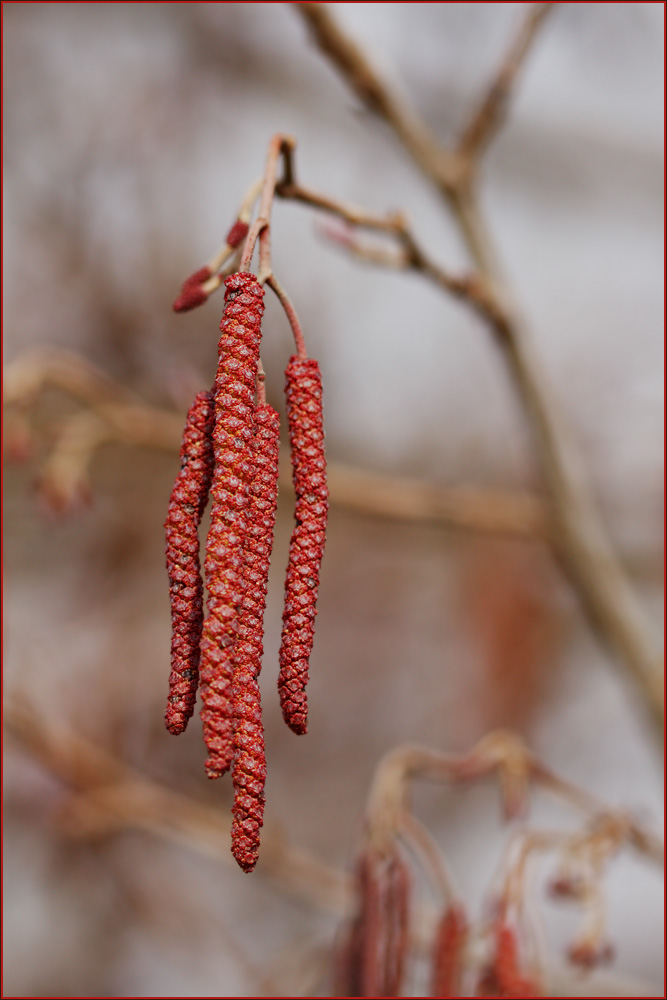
(580, 541)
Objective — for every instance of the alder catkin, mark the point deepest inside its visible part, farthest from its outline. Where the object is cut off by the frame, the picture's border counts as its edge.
(233, 434)
(192, 294)
(504, 977)
(448, 953)
(186, 506)
(249, 772)
(397, 905)
(304, 413)
(371, 962)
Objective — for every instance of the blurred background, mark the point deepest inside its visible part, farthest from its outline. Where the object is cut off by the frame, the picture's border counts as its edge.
(131, 134)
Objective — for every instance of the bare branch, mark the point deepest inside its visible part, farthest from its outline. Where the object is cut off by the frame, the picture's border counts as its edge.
(518, 770)
(393, 225)
(377, 94)
(580, 540)
(109, 416)
(489, 117)
(108, 795)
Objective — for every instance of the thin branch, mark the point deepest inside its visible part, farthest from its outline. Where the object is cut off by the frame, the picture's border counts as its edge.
(126, 420)
(470, 508)
(377, 94)
(580, 540)
(489, 116)
(396, 226)
(108, 795)
(518, 770)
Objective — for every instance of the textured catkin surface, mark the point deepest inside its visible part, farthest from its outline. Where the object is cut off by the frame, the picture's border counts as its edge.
(186, 506)
(249, 760)
(304, 414)
(233, 435)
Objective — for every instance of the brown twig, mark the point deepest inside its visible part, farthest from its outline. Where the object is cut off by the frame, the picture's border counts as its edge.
(489, 116)
(395, 226)
(377, 94)
(579, 540)
(518, 770)
(113, 414)
(108, 795)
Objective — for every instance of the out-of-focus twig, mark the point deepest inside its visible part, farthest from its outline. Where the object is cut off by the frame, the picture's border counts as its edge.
(518, 770)
(579, 538)
(376, 93)
(108, 795)
(489, 116)
(113, 414)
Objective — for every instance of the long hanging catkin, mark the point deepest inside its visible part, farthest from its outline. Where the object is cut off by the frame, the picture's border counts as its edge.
(186, 506)
(249, 772)
(233, 435)
(304, 413)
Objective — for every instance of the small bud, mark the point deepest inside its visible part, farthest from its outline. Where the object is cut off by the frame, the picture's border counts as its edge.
(589, 954)
(192, 294)
(237, 233)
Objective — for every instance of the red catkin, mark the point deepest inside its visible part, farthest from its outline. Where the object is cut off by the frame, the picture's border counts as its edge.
(233, 435)
(192, 294)
(372, 959)
(398, 914)
(448, 953)
(249, 772)
(186, 506)
(238, 232)
(359, 971)
(304, 413)
(504, 976)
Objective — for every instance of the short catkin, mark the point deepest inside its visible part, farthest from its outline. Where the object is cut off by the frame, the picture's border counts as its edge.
(304, 414)
(233, 433)
(192, 294)
(249, 772)
(186, 506)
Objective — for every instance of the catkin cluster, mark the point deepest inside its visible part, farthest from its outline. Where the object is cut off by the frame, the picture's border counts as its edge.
(375, 952)
(230, 455)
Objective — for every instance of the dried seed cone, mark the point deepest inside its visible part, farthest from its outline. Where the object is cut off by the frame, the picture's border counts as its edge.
(186, 506)
(304, 413)
(249, 772)
(233, 435)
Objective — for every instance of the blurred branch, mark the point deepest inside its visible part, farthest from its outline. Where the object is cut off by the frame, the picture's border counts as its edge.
(377, 94)
(579, 538)
(108, 796)
(500, 753)
(113, 414)
(489, 116)
(467, 507)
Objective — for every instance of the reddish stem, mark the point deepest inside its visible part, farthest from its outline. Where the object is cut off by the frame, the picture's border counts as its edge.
(261, 388)
(290, 311)
(279, 145)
